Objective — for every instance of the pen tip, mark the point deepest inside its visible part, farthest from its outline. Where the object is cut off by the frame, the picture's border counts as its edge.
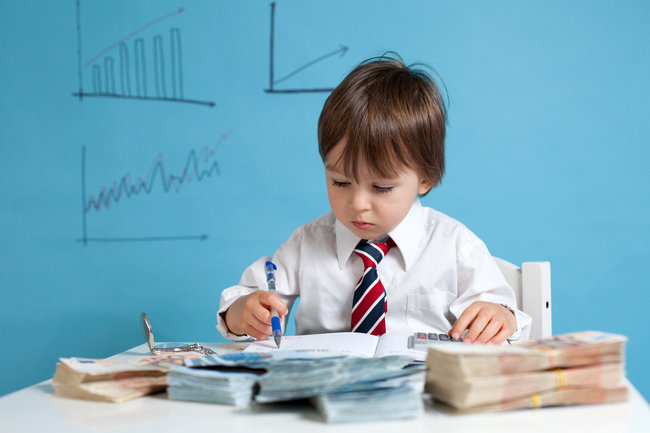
(277, 340)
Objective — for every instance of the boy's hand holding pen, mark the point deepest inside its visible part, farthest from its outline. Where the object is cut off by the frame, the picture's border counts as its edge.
(253, 314)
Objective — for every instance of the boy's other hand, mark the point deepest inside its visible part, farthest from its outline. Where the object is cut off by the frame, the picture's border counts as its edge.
(251, 314)
(486, 322)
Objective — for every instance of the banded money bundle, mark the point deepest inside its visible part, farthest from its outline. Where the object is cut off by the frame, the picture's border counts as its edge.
(106, 379)
(577, 368)
(342, 388)
(114, 380)
(392, 395)
(234, 388)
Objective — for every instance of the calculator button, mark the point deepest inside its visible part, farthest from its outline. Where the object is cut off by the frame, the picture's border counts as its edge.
(443, 337)
(432, 336)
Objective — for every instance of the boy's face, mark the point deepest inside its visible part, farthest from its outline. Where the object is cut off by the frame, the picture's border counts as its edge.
(375, 205)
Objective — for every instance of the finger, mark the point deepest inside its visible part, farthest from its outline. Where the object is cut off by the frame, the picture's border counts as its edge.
(258, 324)
(463, 321)
(257, 335)
(479, 323)
(261, 313)
(501, 336)
(492, 328)
(257, 329)
(272, 300)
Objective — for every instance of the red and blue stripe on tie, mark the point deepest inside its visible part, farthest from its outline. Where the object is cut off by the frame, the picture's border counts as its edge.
(369, 304)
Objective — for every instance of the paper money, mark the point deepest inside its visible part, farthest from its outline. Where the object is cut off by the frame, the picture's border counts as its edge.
(474, 391)
(106, 379)
(257, 359)
(111, 379)
(212, 386)
(343, 388)
(291, 380)
(386, 399)
(577, 368)
(557, 397)
(567, 350)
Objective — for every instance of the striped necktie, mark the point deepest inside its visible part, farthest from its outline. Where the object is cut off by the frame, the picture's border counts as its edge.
(369, 302)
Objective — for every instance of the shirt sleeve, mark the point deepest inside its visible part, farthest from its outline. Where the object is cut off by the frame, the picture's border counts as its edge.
(479, 279)
(250, 281)
(254, 278)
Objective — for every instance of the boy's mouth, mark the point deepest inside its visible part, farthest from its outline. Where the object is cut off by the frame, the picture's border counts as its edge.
(362, 225)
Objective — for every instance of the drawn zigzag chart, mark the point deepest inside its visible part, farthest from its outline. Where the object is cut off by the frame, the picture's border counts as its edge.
(199, 166)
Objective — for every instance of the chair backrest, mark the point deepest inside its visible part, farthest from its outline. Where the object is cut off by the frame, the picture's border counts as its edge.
(532, 285)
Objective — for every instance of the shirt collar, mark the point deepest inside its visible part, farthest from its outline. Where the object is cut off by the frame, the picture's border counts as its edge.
(407, 235)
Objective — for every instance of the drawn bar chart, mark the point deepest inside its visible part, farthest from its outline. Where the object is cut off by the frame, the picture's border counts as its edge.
(127, 69)
(198, 166)
(273, 81)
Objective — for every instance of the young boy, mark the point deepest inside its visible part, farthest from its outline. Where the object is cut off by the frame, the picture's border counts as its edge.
(381, 137)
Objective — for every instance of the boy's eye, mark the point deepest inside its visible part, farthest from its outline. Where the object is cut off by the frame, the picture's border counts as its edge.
(339, 184)
(382, 189)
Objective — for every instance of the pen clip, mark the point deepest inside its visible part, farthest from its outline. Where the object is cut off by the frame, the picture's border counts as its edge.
(269, 267)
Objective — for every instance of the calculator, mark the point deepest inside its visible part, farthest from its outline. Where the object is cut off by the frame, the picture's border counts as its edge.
(421, 340)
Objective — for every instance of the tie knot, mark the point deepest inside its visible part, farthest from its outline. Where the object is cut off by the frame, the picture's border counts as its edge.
(373, 252)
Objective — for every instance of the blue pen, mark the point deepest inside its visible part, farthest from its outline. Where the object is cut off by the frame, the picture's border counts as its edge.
(275, 319)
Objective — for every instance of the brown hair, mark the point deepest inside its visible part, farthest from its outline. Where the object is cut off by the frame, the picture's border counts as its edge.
(391, 116)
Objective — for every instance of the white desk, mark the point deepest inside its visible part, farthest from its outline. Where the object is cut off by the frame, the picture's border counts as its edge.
(36, 409)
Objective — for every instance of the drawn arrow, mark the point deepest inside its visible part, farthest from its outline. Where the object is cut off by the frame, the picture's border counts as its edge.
(342, 49)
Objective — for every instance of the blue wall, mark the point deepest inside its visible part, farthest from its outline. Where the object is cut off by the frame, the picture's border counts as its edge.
(547, 154)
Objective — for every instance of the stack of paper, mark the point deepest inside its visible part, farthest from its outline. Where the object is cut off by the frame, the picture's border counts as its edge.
(577, 368)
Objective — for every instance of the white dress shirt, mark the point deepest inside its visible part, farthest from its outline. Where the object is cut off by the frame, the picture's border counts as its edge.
(438, 268)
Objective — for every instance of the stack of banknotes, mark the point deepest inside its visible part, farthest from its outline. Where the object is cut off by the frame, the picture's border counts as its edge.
(341, 387)
(396, 395)
(113, 380)
(235, 388)
(576, 368)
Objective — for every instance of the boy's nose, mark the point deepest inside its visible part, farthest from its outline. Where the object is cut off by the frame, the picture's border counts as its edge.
(360, 201)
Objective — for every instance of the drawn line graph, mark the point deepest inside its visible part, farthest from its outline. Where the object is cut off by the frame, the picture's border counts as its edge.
(102, 66)
(273, 81)
(198, 166)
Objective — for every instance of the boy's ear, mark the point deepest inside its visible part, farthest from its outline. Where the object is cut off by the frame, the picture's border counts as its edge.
(425, 186)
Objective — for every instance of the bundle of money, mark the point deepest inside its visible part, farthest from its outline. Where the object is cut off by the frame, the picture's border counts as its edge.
(556, 397)
(106, 379)
(113, 380)
(343, 388)
(374, 399)
(211, 386)
(292, 380)
(581, 367)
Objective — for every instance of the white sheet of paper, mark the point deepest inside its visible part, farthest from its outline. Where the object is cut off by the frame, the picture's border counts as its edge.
(348, 343)
(396, 344)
